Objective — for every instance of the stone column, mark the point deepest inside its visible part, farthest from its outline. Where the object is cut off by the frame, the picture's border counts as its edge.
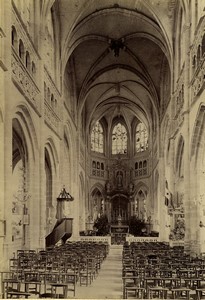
(162, 208)
(75, 188)
(41, 134)
(170, 219)
(34, 205)
(187, 207)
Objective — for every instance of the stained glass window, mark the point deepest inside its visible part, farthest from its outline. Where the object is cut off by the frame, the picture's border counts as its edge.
(97, 138)
(141, 138)
(119, 139)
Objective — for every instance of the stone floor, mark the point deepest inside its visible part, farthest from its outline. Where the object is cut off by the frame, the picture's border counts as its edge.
(108, 284)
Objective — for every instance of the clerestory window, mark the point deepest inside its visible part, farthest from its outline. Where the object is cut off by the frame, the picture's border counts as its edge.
(141, 138)
(119, 139)
(97, 138)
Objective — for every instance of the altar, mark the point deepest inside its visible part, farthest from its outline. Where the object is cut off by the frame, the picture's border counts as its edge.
(118, 233)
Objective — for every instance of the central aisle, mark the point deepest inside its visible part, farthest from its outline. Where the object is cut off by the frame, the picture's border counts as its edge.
(108, 284)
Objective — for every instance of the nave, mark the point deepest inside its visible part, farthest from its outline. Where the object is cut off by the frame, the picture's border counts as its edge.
(108, 284)
(102, 121)
(91, 270)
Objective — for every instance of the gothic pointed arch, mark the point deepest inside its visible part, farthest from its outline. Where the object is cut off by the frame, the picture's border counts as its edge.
(25, 143)
(119, 137)
(52, 151)
(24, 148)
(97, 200)
(141, 137)
(49, 184)
(23, 116)
(97, 137)
(50, 172)
(19, 182)
(97, 186)
(140, 199)
(142, 186)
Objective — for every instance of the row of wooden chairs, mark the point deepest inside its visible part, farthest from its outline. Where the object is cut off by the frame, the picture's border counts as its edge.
(63, 259)
(168, 273)
(41, 285)
(45, 272)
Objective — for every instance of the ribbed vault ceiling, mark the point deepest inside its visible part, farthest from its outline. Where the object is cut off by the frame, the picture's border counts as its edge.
(119, 52)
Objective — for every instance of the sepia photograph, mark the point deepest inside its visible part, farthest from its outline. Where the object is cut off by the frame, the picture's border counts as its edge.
(102, 149)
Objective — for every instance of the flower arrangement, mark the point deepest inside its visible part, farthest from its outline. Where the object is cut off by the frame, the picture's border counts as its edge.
(101, 225)
(137, 227)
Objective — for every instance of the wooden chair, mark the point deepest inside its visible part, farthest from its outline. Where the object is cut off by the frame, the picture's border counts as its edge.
(200, 293)
(157, 291)
(32, 283)
(192, 283)
(70, 280)
(131, 284)
(180, 293)
(33, 288)
(17, 294)
(139, 292)
(47, 279)
(86, 274)
(128, 270)
(10, 285)
(13, 264)
(59, 290)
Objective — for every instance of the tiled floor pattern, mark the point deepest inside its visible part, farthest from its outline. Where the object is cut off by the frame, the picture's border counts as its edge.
(108, 284)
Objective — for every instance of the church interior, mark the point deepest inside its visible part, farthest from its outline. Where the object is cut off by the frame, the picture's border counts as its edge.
(102, 164)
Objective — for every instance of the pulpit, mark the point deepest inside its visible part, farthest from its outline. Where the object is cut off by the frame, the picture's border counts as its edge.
(63, 227)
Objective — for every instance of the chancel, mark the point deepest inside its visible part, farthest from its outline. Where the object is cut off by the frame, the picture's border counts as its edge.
(102, 149)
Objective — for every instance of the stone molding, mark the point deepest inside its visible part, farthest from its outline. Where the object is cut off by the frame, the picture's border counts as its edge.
(198, 81)
(24, 35)
(52, 114)
(200, 31)
(24, 82)
(198, 64)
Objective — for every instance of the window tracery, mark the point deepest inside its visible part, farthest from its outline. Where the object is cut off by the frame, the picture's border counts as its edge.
(141, 138)
(97, 138)
(119, 139)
